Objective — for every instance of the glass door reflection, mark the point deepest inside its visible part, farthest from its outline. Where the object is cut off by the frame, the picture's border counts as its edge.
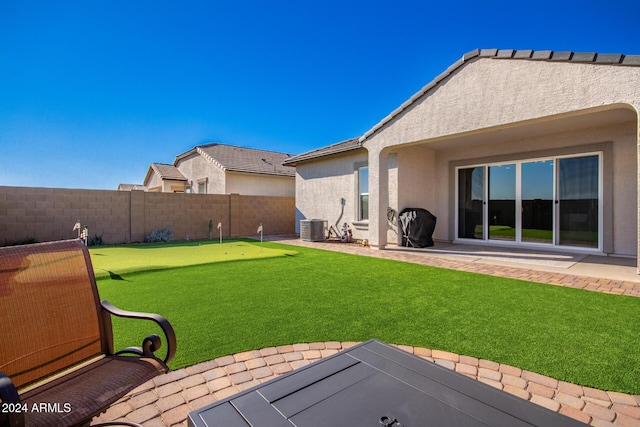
(578, 188)
(471, 203)
(537, 202)
(502, 202)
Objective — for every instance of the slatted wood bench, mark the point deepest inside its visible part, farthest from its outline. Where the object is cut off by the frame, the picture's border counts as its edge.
(57, 361)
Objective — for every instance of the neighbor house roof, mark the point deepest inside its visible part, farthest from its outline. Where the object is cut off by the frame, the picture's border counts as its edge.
(168, 172)
(240, 159)
(130, 187)
(340, 147)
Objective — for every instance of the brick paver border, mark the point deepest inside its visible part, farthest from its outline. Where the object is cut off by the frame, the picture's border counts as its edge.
(166, 400)
(619, 287)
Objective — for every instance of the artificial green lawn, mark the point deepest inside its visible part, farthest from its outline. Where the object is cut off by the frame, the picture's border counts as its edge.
(112, 261)
(578, 336)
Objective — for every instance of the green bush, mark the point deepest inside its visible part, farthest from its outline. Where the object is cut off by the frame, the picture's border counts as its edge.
(96, 240)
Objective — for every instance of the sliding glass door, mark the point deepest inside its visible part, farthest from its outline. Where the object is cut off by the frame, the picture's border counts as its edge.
(502, 202)
(470, 203)
(578, 200)
(537, 201)
(552, 201)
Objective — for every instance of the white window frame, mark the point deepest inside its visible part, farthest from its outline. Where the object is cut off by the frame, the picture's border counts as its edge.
(204, 183)
(359, 215)
(555, 245)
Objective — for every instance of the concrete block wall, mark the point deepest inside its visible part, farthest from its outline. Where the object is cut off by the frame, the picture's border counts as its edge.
(276, 214)
(187, 214)
(48, 214)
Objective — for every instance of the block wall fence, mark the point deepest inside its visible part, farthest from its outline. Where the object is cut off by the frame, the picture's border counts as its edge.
(48, 214)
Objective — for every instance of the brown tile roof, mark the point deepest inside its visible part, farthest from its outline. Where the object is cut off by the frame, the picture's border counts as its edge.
(130, 187)
(340, 147)
(240, 159)
(167, 172)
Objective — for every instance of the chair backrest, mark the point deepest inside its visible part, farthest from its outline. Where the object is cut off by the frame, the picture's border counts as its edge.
(49, 310)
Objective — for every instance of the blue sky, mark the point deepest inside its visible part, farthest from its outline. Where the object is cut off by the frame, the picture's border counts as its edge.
(91, 93)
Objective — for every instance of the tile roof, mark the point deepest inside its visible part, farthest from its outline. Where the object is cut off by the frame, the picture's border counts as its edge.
(130, 187)
(540, 55)
(240, 159)
(530, 55)
(340, 147)
(167, 172)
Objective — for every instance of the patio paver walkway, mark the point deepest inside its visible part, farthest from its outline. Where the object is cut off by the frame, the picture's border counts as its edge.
(166, 400)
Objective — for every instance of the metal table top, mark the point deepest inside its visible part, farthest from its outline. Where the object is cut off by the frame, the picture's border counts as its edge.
(374, 384)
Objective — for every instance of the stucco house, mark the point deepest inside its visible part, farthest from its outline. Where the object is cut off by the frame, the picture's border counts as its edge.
(508, 147)
(224, 169)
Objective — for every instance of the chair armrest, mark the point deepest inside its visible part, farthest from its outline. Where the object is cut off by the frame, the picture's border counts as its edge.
(11, 416)
(151, 343)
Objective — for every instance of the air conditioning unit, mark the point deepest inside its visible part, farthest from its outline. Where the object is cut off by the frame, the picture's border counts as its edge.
(312, 230)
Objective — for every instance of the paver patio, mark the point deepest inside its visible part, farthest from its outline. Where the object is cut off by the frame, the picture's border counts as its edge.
(166, 400)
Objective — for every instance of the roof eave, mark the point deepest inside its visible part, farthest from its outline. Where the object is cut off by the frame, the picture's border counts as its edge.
(184, 155)
(147, 177)
(315, 155)
(275, 173)
(450, 70)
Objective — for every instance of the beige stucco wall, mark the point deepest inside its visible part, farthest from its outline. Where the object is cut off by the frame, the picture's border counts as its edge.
(320, 186)
(485, 93)
(255, 184)
(411, 174)
(492, 107)
(155, 182)
(196, 168)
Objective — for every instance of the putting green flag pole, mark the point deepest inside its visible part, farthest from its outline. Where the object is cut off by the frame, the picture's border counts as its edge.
(220, 228)
(260, 231)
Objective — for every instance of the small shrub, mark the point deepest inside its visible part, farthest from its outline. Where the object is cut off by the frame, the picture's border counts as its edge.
(96, 240)
(161, 235)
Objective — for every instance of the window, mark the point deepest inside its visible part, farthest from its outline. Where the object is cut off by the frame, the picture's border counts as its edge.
(202, 186)
(363, 193)
(554, 201)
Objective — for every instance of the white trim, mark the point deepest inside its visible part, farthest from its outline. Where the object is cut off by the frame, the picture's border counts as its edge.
(359, 195)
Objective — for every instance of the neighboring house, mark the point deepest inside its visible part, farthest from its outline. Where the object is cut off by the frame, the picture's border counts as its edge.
(527, 148)
(224, 169)
(165, 179)
(131, 187)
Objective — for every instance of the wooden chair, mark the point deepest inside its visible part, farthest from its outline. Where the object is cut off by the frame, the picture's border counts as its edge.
(57, 361)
